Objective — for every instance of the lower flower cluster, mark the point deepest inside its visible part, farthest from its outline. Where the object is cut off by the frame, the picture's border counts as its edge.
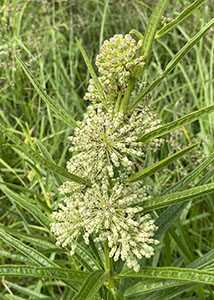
(110, 217)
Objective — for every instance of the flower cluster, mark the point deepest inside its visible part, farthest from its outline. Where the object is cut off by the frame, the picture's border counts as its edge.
(109, 216)
(115, 63)
(106, 141)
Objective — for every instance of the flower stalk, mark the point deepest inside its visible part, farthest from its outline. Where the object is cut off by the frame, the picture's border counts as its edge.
(109, 268)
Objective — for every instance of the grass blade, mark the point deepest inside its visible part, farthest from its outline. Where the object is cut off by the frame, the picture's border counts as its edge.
(166, 200)
(91, 70)
(188, 11)
(176, 124)
(172, 64)
(59, 111)
(159, 165)
(192, 275)
(91, 285)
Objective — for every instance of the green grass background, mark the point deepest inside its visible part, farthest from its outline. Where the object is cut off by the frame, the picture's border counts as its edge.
(43, 34)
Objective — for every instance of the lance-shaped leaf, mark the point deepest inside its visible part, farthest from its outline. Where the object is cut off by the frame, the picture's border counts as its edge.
(188, 11)
(192, 275)
(43, 272)
(176, 124)
(152, 27)
(168, 217)
(166, 200)
(140, 175)
(59, 111)
(34, 210)
(27, 291)
(86, 259)
(37, 158)
(172, 64)
(28, 251)
(91, 285)
(149, 286)
(34, 255)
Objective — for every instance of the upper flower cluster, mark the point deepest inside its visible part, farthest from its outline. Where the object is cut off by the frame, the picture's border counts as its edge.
(115, 63)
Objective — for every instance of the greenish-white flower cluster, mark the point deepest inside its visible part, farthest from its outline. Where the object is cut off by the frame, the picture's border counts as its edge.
(115, 63)
(106, 151)
(107, 215)
(106, 141)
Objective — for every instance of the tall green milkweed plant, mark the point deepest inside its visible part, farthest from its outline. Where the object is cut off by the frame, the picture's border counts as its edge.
(107, 219)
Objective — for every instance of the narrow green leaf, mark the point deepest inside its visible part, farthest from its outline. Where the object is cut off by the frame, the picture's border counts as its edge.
(59, 111)
(145, 287)
(189, 10)
(37, 158)
(137, 33)
(148, 286)
(38, 198)
(86, 259)
(172, 64)
(176, 124)
(166, 200)
(103, 22)
(35, 211)
(118, 296)
(15, 257)
(27, 291)
(42, 272)
(192, 275)
(140, 175)
(33, 254)
(12, 297)
(91, 285)
(168, 217)
(152, 27)
(38, 240)
(192, 175)
(170, 293)
(91, 70)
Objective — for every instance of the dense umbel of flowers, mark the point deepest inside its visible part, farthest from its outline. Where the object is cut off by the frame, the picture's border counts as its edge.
(115, 63)
(106, 141)
(109, 218)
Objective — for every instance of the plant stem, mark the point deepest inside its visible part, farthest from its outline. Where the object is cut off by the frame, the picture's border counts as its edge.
(109, 268)
(117, 104)
(127, 95)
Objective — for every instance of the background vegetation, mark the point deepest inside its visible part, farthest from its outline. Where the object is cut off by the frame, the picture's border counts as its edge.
(43, 34)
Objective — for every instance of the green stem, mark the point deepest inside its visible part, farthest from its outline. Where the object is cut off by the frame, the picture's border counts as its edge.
(127, 95)
(109, 268)
(117, 104)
